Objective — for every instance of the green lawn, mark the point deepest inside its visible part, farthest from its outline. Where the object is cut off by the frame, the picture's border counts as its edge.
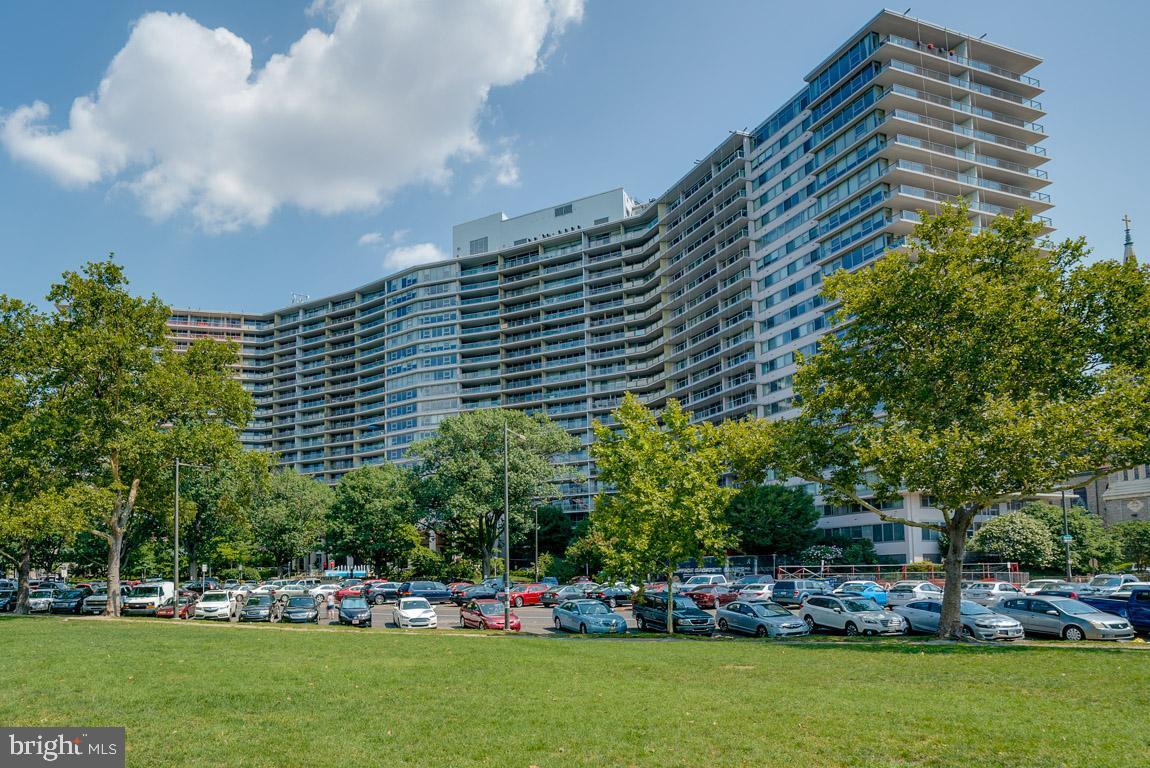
(197, 695)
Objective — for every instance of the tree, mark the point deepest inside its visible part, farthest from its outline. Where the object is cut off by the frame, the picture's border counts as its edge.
(128, 403)
(461, 475)
(373, 516)
(773, 519)
(1015, 538)
(1092, 540)
(555, 532)
(289, 516)
(668, 499)
(1134, 536)
(971, 367)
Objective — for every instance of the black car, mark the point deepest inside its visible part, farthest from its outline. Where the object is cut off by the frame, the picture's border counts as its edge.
(7, 600)
(68, 601)
(431, 591)
(380, 592)
(300, 609)
(495, 583)
(475, 592)
(612, 596)
(355, 611)
(201, 586)
(257, 608)
(651, 615)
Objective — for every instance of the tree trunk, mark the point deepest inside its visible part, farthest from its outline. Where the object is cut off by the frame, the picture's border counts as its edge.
(950, 623)
(23, 570)
(115, 547)
(486, 563)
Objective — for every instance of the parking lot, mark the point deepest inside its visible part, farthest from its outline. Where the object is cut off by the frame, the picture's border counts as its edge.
(534, 619)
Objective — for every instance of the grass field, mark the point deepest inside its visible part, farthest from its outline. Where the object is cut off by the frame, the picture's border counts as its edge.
(196, 695)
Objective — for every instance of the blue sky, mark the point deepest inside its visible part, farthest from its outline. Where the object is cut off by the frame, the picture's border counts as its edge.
(628, 95)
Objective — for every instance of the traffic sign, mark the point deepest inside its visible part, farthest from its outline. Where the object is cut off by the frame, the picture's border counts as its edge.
(1067, 538)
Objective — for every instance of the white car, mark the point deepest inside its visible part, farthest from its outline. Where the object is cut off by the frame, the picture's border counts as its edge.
(215, 604)
(1034, 585)
(853, 615)
(904, 592)
(990, 593)
(759, 592)
(703, 580)
(414, 613)
(323, 590)
(40, 600)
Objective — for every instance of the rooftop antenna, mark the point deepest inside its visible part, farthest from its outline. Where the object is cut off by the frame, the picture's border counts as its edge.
(904, 13)
(982, 35)
(299, 298)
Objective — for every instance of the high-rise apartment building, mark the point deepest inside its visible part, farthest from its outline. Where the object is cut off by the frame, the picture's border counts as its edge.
(705, 293)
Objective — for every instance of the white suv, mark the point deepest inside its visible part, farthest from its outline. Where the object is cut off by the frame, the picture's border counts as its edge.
(853, 615)
(701, 581)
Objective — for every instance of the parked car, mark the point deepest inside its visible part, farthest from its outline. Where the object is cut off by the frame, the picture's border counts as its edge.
(762, 592)
(550, 581)
(557, 595)
(978, 621)
(750, 579)
(458, 586)
(1064, 589)
(1132, 604)
(710, 595)
(414, 613)
(1034, 585)
(7, 600)
(300, 609)
(486, 614)
(853, 615)
(613, 595)
(989, 593)
(68, 601)
(688, 619)
(761, 619)
(496, 583)
(700, 580)
(1107, 583)
(475, 592)
(294, 589)
(321, 592)
(40, 600)
(355, 611)
(144, 599)
(200, 586)
(95, 603)
(587, 617)
(904, 592)
(187, 608)
(257, 608)
(432, 591)
(868, 589)
(215, 604)
(380, 592)
(796, 592)
(527, 594)
(1066, 618)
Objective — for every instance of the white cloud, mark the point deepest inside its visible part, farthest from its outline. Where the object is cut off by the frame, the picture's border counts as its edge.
(390, 96)
(412, 255)
(370, 238)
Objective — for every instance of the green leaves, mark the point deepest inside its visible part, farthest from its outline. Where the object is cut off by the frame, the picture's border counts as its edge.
(1016, 538)
(290, 515)
(373, 516)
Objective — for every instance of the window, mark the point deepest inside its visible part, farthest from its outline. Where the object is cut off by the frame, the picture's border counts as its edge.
(603, 220)
(929, 534)
(479, 245)
(563, 210)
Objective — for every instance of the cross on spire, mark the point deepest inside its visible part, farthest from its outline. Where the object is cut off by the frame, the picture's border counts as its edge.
(1128, 254)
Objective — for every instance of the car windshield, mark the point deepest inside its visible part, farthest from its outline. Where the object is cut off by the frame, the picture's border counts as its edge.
(301, 602)
(973, 609)
(1056, 587)
(770, 609)
(259, 600)
(593, 609)
(41, 593)
(415, 605)
(1074, 607)
(214, 597)
(144, 592)
(1105, 581)
(861, 605)
(354, 603)
(490, 609)
(69, 594)
(684, 602)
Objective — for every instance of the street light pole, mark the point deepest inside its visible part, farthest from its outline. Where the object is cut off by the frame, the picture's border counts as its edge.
(536, 543)
(506, 530)
(176, 540)
(1066, 535)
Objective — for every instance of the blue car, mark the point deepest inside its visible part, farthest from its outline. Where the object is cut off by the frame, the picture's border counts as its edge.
(431, 591)
(863, 589)
(588, 617)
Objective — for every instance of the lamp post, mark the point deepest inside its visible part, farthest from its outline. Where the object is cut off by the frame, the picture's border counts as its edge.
(537, 543)
(176, 539)
(1066, 535)
(507, 433)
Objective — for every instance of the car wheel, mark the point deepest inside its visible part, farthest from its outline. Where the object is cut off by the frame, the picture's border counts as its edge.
(908, 629)
(1074, 634)
(558, 625)
(722, 625)
(965, 633)
(852, 630)
(810, 622)
(379, 600)
(641, 623)
(518, 602)
(483, 625)
(761, 631)
(582, 629)
(612, 602)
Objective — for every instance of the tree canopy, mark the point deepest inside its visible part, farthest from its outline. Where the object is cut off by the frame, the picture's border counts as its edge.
(773, 519)
(290, 515)
(373, 517)
(1015, 537)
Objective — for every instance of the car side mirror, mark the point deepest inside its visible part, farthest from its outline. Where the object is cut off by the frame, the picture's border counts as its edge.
(1052, 612)
(838, 610)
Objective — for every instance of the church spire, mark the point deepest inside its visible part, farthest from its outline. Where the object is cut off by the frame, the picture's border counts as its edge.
(1128, 255)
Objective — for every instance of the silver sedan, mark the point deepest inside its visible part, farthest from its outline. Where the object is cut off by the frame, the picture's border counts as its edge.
(761, 619)
(1066, 618)
(978, 621)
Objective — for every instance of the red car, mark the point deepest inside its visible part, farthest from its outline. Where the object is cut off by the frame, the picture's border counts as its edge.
(187, 608)
(458, 586)
(485, 614)
(706, 596)
(354, 590)
(528, 594)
